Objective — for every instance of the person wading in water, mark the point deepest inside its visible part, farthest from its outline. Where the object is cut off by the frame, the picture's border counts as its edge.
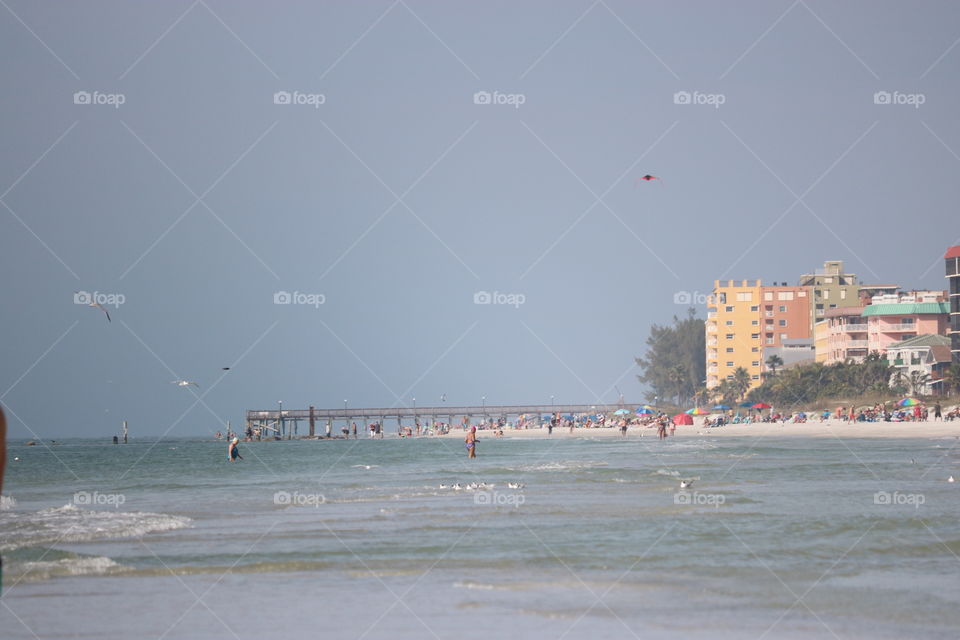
(471, 442)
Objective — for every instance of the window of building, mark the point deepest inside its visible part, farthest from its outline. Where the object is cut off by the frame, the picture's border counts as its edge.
(729, 364)
(729, 349)
(755, 363)
(843, 294)
(784, 336)
(745, 296)
(785, 295)
(782, 323)
(801, 294)
(729, 336)
(755, 349)
(770, 340)
(729, 323)
(728, 309)
(754, 336)
(769, 314)
(828, 281)
(907, 320)
(754, 377)
(754, 323)
(768, 295)
(754, 308)
(783, 308)
(826, 294)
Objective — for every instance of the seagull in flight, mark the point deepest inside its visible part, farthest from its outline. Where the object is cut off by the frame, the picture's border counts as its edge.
(184, 383)
(97, 305)
(647, 178)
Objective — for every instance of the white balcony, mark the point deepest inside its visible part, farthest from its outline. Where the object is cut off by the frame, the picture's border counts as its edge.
(855, 328)
(857, 344)
(896, 328)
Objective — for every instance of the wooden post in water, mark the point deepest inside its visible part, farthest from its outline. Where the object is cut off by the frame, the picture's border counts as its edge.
(313, 430)
(124, 432)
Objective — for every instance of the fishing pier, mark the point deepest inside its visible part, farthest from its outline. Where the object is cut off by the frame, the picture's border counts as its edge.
(286, 423)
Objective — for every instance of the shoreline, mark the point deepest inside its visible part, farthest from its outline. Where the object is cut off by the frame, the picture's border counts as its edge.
(831, 428)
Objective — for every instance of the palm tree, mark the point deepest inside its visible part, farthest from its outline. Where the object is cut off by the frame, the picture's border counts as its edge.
(726, 392)
(678, 378)
(741, 381)
(773, 362)
(918, 382)
(951, 379)
(899, 380)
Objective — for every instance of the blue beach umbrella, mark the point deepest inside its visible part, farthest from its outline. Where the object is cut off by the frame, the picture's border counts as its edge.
(645, 411)
(620, 412)
(721, 407)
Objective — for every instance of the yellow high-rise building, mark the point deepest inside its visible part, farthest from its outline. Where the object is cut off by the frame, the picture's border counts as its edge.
(733, 330)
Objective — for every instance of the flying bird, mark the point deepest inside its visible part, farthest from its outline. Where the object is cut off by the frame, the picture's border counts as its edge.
(97, 305)
(225, 368)
(184, 383)
(647, 177)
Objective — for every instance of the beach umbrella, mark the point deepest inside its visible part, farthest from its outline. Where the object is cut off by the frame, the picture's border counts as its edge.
(696, 411)
(908, 402)
(801, 415)
(745, 405)
(645, 411)
(682, 418)
(760, 405)
(620, 412)
(721, 407)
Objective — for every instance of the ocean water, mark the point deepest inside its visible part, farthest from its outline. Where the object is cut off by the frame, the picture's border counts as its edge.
(776, 538)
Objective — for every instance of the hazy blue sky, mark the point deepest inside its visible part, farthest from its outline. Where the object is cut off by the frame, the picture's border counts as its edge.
(399, 198)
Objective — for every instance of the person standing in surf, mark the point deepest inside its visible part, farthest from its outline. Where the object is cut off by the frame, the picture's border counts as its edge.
(233, 451)
(471, 442)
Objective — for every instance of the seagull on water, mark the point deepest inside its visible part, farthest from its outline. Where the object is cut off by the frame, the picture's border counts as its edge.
(365, 466)
(686, 483)
(184, 383)
(950, 479)
(516, 485)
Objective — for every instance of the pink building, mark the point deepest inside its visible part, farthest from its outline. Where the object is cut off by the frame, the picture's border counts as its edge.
(891, 323)
(847, 334)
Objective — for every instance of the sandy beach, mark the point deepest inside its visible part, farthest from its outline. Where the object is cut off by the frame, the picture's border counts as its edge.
(814, 428)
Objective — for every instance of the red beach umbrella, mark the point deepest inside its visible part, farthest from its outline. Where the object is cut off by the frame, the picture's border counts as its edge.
(683, 418)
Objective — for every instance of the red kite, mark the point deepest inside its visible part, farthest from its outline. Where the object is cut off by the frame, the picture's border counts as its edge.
(648, 178)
